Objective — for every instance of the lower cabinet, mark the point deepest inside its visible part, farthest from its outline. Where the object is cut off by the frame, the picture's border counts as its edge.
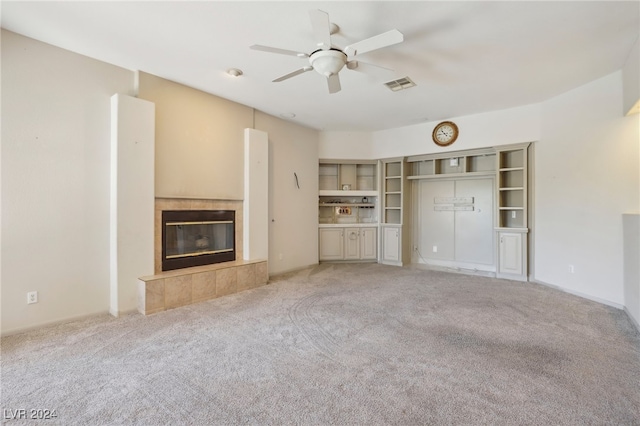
(512, 255)
(331, 242)
(348, 243)
(391, 245)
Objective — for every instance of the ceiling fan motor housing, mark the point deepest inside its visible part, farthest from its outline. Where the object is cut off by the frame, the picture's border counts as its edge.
(328, 62)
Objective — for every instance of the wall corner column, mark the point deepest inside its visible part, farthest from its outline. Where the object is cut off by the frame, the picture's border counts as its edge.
(131, 221)
(256, 195)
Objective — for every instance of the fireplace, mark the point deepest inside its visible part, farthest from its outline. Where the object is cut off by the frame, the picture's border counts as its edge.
(197, 237)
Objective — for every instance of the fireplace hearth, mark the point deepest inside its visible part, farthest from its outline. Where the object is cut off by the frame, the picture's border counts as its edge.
(197, 237)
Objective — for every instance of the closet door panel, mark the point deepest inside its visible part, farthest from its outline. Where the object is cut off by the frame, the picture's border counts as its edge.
(474, 234)
(436, 227)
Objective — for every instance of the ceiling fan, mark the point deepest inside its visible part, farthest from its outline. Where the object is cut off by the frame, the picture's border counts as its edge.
(328, 60)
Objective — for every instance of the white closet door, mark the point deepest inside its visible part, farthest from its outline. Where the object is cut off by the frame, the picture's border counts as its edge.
(474, 234)
(435, 227)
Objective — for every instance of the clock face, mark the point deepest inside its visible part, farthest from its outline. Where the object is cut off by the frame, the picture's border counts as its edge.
(445, 133)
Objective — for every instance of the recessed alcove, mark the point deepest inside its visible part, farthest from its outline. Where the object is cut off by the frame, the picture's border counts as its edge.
(171, 289)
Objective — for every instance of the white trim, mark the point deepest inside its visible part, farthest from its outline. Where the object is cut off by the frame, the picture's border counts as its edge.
(579, 294)
(56, 322)
(454, 269)
(633, 320)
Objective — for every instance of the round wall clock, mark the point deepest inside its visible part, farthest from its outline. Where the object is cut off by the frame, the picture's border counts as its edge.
(445, 133)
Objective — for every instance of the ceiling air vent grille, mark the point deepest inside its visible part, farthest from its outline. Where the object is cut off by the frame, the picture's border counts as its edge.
(399, 84)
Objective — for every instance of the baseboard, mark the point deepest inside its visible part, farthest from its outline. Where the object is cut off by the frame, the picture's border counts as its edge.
(52, 323)
(452, 269)
(633, 320)
(577, 293)
(116, 314)
(288, 271)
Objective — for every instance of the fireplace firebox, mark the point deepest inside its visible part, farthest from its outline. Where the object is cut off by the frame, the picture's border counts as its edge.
(197, 237)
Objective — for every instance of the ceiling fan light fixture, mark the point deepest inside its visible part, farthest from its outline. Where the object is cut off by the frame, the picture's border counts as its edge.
(328, 62)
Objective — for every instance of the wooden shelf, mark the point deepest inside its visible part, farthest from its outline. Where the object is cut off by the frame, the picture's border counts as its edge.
(450, 175)
(369, 205)
(511, 180)
(358, 176)
(338, 193)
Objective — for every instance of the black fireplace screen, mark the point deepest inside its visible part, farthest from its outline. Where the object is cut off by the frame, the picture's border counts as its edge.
(197, 237)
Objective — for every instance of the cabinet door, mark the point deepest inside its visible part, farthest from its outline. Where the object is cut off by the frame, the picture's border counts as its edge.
(368, 243)
(473, 229)
(352, 243)
(331, 244)
(391, 244)
(510, 254)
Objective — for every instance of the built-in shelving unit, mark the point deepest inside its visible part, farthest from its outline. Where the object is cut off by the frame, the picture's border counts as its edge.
(467, 163)
(392, 192)
(348, 213)
(508, 166)
(511, 189)
(393, 241)
(359, 178)
(511, 220)
(342, 210)
(364, 202)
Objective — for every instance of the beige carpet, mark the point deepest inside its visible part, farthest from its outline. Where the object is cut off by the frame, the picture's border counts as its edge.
(339, 344)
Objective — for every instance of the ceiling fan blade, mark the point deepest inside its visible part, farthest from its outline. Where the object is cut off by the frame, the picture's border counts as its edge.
(376, 42)
(333, 81)
(292, 74)
(279, 51)
(321, 28)
(358, 65)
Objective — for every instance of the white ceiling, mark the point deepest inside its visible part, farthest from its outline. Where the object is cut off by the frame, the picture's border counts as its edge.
(465, 57)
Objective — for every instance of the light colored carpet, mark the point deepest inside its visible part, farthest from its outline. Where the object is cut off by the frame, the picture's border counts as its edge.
(340, 344)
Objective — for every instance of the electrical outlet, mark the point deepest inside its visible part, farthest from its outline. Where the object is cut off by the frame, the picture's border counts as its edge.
(32, 297)
(571, 269)
(435, 249)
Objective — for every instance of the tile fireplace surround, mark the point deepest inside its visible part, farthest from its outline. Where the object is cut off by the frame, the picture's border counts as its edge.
(172, 289)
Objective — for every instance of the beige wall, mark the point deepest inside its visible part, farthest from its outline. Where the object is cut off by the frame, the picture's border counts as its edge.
(631, 81)
(55, 181)
(200, 155)
(199, 141)
(293, 211)
(55, 164)
(586, 177)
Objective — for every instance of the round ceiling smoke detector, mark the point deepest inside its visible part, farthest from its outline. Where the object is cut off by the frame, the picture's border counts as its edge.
(235, 72)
